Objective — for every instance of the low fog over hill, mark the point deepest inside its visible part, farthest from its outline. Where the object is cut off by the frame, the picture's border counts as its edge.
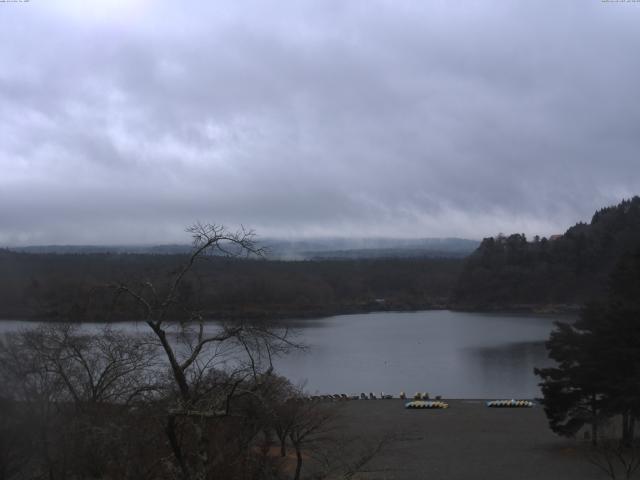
(300, 249)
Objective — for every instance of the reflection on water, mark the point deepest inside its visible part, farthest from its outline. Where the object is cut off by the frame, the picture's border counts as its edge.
(508, 369)
(455, 354)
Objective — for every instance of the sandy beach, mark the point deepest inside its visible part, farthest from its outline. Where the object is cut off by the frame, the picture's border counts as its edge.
(466, 441)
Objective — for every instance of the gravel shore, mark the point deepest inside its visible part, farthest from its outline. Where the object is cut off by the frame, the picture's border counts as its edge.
(465, 441)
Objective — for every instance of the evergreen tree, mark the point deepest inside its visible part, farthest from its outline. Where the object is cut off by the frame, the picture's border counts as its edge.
(573, 392)
(508, 271)
(597, 374)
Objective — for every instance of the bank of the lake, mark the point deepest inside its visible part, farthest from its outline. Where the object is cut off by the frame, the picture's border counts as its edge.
(466, 441)
(320, 311)
(289, 312)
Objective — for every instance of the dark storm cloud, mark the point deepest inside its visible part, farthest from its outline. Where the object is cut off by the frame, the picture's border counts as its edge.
(125, 121)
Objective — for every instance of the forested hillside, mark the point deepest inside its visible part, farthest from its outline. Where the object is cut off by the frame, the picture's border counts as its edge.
(56, 286)
(510, 271)
(505, 272)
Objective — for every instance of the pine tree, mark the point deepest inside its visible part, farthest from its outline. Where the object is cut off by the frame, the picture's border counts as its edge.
(597, 375)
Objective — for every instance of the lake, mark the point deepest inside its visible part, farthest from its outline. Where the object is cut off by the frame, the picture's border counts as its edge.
(453, 354)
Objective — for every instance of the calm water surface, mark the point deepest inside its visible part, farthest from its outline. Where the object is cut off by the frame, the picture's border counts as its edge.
(454, 354)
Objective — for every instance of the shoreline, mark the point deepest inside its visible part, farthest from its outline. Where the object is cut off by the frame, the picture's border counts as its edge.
(316, 313)
(466, 440)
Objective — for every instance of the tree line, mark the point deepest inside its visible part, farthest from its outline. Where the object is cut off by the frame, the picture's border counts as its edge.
(512, 271)
(65, 286)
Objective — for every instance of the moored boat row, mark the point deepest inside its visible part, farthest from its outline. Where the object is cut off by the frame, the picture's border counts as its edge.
(510, 404)
(426, 404)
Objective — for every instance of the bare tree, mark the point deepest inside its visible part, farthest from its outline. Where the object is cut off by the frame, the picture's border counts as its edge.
(15, 451)
(69, 390)
(615, 457)
(346, 457)
(196, 350)
(108, 366)
(310, 424)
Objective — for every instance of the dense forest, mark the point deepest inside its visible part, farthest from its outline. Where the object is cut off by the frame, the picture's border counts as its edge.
(568, 269)
(67, 286)
(504, 272)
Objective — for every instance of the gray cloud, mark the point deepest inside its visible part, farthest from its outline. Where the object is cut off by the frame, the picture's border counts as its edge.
(125, 121)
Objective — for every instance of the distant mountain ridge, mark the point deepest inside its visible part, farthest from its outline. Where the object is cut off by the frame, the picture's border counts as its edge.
(509, 271)
(97, 249)
(297, 249)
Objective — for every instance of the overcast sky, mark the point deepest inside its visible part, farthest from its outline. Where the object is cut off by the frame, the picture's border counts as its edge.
(123, 121)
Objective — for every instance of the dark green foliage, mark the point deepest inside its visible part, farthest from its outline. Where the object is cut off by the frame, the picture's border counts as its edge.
(598, 359)
(63, 287)
(572, 390)
(510, 271)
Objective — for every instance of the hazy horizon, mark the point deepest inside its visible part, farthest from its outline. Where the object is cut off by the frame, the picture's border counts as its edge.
(328, 242)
